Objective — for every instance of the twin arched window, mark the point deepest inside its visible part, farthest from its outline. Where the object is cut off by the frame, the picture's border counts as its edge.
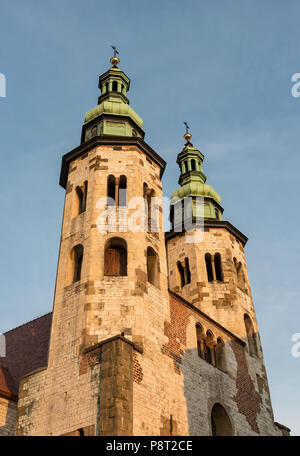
(116, 191)
(214, 267)
(209, 350)
(184, 272)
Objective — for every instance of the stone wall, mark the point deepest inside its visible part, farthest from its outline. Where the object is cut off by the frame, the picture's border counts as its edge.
(8, 413)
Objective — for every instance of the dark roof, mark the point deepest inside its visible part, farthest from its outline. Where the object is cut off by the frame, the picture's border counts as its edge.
(26, 350)
(7, 387)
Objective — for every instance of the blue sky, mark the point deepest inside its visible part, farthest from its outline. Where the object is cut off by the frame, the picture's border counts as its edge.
(226, 67)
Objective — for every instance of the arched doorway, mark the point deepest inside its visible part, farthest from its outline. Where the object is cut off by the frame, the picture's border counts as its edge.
(220, 422)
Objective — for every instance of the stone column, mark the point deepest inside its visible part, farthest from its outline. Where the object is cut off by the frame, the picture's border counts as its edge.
(116, 388)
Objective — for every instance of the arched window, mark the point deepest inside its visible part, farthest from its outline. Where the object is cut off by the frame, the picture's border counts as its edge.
(115, 257)
(187, 271)
(239, 275)
(181, 273)
(152, 224)
(209, 270)
(220, 355)
(184, 272)
(250, 335)
(111, 190)
(115, 86)
(80, 195)
(85, 187)
(152, 267)
(106, 86)
(193, 164)
(208, 348)
(217, 213)
(186, 166)
(220, 422)
(123, 191)
(218, 267)
(200, 336)
(76, 260)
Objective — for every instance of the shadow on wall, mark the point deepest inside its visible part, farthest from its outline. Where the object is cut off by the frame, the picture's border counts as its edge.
(8, 412)
(218, 388)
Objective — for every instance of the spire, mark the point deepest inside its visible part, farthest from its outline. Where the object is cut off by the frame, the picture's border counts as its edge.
(190, 161)
(113, 116)
(192, 180)
(115, 60)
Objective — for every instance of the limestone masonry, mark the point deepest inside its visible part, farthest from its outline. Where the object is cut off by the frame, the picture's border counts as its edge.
(151, 333)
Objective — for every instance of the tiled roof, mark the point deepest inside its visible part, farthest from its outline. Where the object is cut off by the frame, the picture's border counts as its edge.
(26, 350)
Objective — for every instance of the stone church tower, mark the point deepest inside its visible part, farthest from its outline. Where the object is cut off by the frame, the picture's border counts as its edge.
(152, 334)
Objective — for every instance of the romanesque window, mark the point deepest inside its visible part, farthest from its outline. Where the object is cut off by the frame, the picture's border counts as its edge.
(220, 422)
(240, 275)
(152, 267)
(81, 194)
(250, 335)
(200, 337)
(209, 348)
(218, 267)
(187, 271)
(209, 270)
(76, 260)
(122, 191)
(115, 86)
(111, 190)
(115, 257)
(220, 355)
(184, 272)
(193, 164)
(181, 273)
(151, 222)
(214, 267)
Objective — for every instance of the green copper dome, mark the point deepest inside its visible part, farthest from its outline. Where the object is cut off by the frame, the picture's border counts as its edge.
(197, 189)
(112, 116)
(114, 108)
(192, 185)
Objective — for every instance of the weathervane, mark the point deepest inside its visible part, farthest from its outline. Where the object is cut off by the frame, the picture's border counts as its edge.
(115, 60)
(187, 135)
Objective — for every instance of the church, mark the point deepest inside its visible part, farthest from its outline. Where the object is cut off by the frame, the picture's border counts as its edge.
(152, 332)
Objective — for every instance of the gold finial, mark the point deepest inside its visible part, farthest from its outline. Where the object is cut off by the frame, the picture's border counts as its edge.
(115, 60)
(187, 135)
